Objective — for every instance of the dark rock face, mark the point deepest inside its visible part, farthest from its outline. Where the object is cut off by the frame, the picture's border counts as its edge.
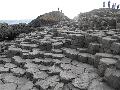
(9, 32)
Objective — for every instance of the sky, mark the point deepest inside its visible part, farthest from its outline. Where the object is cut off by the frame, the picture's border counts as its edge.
(30, 9)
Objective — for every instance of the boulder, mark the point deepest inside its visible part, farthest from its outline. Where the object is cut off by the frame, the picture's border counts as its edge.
(112, 77)
(97, 85)
(57, 45)
(104, 64)
(107, 42)
(115, 48)
(8, 86)
(71, 53)
(94, 48)
(98, 56)
(66, 76)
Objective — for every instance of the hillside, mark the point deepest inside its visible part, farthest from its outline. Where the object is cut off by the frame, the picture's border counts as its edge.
(103, 18)
(48, 19)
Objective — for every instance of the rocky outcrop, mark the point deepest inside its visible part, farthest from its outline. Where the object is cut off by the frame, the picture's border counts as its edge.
(103, 18)
(47, 19)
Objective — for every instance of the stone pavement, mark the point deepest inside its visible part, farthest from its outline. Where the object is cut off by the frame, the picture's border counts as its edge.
(70, 60)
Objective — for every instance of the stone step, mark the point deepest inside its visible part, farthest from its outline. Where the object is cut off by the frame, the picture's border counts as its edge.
(70, 53)
(104, 64)
(48, 82)
(98, 85)
(98, 56)
(94, 48)
(112, 77)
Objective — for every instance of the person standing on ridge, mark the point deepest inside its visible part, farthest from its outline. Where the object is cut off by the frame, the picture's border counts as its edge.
(113, 6)
(117, 6)
(108, 4)
(103, 4)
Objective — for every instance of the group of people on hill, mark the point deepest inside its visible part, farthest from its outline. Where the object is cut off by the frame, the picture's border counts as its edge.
(113, 5)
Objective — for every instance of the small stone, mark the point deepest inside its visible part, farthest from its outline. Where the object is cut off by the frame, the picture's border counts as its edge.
(66, 76)
(27, 86)
(59, 86)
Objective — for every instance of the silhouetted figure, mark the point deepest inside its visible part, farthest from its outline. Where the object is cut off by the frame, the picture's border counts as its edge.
(61, 11)
(108, 4)
(113, 6)
(103, 4)
(117, 6)
(58, 9)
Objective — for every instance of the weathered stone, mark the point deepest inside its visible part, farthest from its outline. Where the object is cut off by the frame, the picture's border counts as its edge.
(56, 51)
(118, 64)
(70, 53)
(18, 61)
(104, 64)
(43, 68)
(107, 42)
(34, 54)
(57, 62)
(90, 38)
(57, 45)
(97, 85)
(57, 56)
(74, 62)
(115, 47)
(45, 45)
(8, 86)
(10, 65)
(82, 82)
(47, 55)
(91, 59)
(66, 66)
(28, 46)
(82, 50)
(9, 78)
(66, 76)
(14, 51)
(54, 70)
(59, 86)
(18, 71)
(27, 86)
(98, 56)
(4, 70)
(5, 60)
(48, 82)
(67, 43)
(94, 48)
(66, 60)
(40, 75)
(83, 57)
(77, 40)
(112, 77)
(26, 56)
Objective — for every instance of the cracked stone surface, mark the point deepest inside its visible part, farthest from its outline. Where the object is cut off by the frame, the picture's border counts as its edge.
(40, 61)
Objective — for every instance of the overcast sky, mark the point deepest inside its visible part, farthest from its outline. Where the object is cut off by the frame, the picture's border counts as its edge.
(30, 9)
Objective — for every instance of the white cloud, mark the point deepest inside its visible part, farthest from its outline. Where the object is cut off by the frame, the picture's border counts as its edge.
(25, 9)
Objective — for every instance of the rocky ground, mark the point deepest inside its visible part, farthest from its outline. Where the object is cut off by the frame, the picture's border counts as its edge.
(61, 60)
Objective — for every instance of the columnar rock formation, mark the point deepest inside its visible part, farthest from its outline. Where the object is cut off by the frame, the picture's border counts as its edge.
(77, 60)
(60, 57)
